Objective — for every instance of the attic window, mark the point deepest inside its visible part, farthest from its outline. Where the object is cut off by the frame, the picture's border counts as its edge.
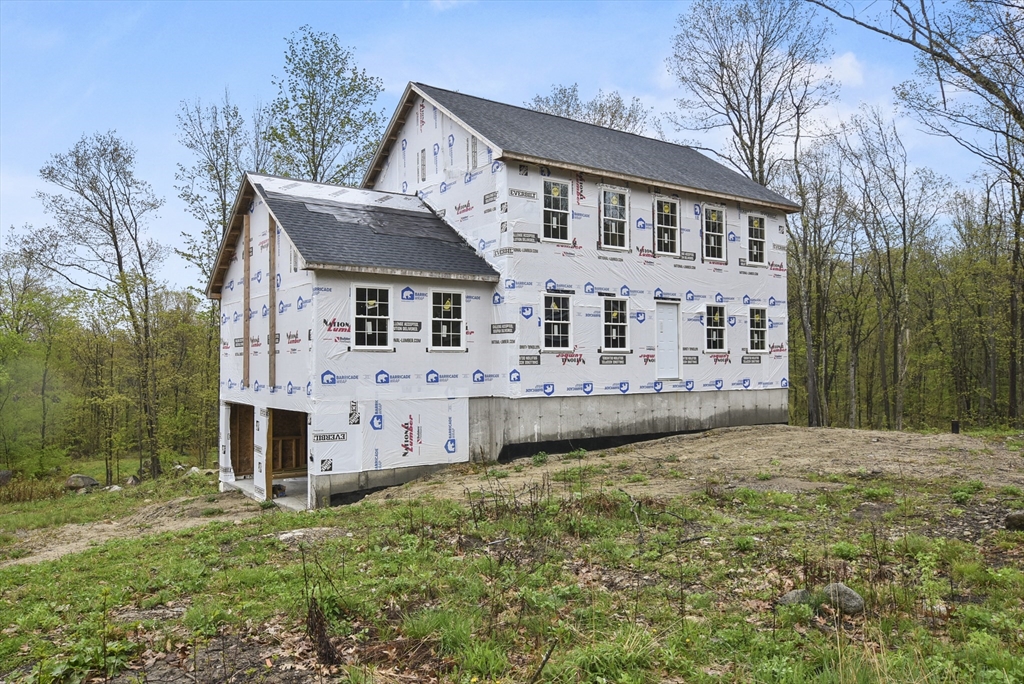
(423, 166)
(471, 153)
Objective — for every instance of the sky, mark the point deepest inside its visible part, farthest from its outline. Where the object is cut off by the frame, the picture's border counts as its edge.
(69, 69)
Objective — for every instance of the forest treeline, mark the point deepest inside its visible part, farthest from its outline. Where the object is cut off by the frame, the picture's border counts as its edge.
(904, 289)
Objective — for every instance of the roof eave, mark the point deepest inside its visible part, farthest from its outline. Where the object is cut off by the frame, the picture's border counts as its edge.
(406, 272)
(788, 208)
(228, 240)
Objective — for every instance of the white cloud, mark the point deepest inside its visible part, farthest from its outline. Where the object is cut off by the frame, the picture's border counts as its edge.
(848, 70)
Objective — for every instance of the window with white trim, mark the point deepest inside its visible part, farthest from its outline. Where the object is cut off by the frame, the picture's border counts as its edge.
(373, 316)
(616, 323)
(614, 217)
(714, 328)
(557, 322)
(423, 166)
(556, 211)
(758, 330)
(755, 239)
(471, 153)
(293, 259)
(446, 320)
(714, 233)
(666, 226)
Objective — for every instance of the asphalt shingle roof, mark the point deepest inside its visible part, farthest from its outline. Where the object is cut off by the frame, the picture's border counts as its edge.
(346, 234)
(555, 138)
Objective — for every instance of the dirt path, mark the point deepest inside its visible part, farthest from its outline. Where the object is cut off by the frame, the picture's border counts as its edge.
(777, 457)
(166, 516)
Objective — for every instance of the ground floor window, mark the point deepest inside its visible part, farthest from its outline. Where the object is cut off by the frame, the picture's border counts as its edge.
(616, 323)
(556, 322)
(714, 326)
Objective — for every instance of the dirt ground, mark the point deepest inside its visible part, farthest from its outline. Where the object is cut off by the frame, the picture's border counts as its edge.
(166, 516)
(774, 457)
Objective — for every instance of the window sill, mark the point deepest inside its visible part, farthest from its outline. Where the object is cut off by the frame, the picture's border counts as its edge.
(553, 241)
(567, 350)
(719, 262)
(667, 255)
(378, 350)
(716, 351)
(447, 350)
(607, 248)
(614, 351)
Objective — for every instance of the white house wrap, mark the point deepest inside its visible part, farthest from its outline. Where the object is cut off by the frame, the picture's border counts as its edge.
(505, 277)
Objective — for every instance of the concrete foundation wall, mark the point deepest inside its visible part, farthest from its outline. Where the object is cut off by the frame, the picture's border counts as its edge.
(323, 486)
(495, 422)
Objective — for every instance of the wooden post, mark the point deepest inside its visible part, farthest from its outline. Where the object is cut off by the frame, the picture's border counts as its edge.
(246, 301)
(272, 302)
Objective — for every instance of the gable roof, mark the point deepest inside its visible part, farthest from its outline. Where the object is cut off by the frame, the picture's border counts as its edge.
(527, 135)
(350, 229)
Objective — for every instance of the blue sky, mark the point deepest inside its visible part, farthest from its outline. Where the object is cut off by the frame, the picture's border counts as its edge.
(78, 67)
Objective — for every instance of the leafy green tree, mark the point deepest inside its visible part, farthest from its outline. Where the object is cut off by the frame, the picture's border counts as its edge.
(325, 128)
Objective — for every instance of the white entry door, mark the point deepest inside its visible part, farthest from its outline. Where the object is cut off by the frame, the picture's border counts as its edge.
(668, 340)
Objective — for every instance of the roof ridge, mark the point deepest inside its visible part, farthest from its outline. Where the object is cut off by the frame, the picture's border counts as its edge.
(558, 116)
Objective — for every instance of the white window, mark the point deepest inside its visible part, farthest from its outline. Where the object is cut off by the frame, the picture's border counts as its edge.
(666, 226)
(293, 259)
(714, 328)
(755, 239)
(373, 316)
(758, 330)
(471, 153)
(446, 319)
(556, 211)
(423, 166)
(614, 218)
(557, 321)
(714, 233)
(616, 324)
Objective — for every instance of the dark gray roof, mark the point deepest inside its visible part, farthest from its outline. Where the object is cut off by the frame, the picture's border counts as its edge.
(373, 237)
(555, 138)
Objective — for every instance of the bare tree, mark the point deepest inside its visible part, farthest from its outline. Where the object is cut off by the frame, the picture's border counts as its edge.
(609, 110)
(751, 68)
(99, 244)
(326, 130)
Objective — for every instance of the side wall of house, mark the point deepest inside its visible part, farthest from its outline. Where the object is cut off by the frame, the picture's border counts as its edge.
(277, 298)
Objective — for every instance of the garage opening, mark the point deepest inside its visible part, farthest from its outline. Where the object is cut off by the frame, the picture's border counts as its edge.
(241, 427)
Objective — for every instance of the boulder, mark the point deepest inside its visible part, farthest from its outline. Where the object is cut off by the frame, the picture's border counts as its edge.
(1015, 521)
(5, 476)
(194, 471)
(844, 599)
(133, 481)
(794, 597)
(78, 481)
(113, 488)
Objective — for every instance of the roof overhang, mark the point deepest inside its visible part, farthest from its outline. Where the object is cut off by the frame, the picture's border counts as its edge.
(229, 240)
(401, 115)
(405, 272)
(540, 161)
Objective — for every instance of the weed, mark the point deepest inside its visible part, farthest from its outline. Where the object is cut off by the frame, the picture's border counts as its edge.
(636, 478)
(762, 475)
(744, 544)
(497, 473)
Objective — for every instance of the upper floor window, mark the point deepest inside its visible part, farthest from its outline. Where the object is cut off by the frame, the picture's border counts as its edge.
(755, 239)
(557, 322)
(471, 153)
(758, 330)
(666, 222)
(556, 211)
(616, 323)
(714, 233)
(446, 319)
(613, 219)
(373, 315)
(422, 167)
(714, 328)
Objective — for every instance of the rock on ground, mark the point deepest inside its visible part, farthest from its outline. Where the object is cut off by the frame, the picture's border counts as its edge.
(1015, 521)
(794, 597)
(77, 481)
(5, 477)
(844, 599)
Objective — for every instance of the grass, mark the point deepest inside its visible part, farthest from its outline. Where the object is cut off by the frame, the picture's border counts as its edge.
(613, 588)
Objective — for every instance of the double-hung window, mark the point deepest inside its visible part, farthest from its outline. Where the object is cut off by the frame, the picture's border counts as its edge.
(714, 328)
(446, 320)
(755, 239)
(714, 233)
(758, 330)
(557, 322)
(616, 324)
(373, 315)
(614, 218)
(666, 223)
(556, 211)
